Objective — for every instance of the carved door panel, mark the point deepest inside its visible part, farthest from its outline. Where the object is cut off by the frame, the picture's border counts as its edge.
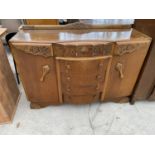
(125, 68)
(82, 80)
(36, 68)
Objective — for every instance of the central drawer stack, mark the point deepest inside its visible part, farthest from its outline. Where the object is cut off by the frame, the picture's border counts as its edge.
(82, 80)
(82, 69)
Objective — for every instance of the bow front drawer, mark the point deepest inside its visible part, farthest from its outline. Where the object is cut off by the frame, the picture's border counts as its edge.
(82, 49)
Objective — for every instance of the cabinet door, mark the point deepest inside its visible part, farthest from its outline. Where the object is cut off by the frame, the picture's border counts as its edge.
(37, 71)
(126, 65)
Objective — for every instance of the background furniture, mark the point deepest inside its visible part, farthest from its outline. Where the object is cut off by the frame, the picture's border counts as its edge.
(145, 88)
(11, 24)
(2, 31)
(9, 92)
(50, 55)
(12, 28)
(7, 38)
(114, 23)
(41, 21)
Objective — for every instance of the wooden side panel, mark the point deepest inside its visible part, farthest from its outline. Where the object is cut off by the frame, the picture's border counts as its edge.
(9, 92)
(38, 75)
(126, 65)
(152, 96)
(146, 80)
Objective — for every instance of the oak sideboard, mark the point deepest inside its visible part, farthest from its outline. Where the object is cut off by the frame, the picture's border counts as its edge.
(78, 63)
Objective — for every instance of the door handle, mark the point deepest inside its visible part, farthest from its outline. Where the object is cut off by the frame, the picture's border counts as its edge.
(46, 70)
(119, 68)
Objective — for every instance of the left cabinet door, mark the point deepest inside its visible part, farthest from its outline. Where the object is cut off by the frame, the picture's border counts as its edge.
(37, 71)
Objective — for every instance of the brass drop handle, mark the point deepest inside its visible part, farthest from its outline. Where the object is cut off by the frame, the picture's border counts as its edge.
(119, 67)
(46, 70)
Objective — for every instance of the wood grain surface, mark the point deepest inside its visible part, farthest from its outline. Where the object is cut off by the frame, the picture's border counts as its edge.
(9, 92)
(67, 59)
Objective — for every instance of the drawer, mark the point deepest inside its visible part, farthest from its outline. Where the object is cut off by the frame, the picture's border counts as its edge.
(79, 99)
(83, 89)
(79, 80)
(83, 67)
(81, 50)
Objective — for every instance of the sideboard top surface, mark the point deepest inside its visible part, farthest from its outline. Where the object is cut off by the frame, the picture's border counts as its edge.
(62, 35)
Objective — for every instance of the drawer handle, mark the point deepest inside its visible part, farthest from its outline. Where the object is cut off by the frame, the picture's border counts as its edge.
(46, 70)
(119, 67)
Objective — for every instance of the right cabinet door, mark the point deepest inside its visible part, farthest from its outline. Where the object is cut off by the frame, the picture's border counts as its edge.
(127, 61)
